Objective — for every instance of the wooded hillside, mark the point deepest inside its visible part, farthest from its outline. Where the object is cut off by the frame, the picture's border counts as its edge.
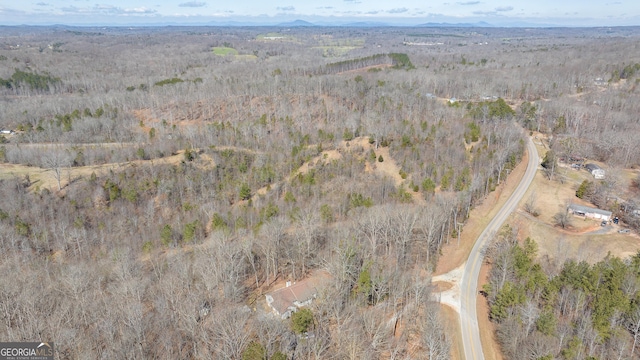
(155, 190)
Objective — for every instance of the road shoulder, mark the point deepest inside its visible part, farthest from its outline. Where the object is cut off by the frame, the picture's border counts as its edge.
(454, 255)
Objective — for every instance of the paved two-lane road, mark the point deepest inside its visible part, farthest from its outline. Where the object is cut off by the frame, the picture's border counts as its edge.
(469, 284)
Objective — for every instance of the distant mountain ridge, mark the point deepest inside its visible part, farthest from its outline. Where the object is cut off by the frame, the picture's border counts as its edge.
(477, 24)
(319, 22)
(366, 24)
(299, 23)
(296, 23)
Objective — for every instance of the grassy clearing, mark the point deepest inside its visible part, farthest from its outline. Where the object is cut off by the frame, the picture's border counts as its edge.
(335, 51)
(588, 246)
(338, 47)
(224, 51)
(585, 239)
(9, 171)
(41, 178)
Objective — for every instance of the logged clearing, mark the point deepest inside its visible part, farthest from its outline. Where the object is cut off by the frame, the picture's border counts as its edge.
(41, 178)
(386, 168)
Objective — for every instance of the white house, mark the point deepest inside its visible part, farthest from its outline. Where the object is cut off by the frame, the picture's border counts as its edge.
(589, 212)
(595, 170)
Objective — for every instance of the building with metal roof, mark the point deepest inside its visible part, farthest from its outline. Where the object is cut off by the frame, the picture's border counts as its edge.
(590, 212)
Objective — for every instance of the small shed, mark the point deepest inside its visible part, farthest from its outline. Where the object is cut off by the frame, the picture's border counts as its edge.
(590, 212)
(595, 170)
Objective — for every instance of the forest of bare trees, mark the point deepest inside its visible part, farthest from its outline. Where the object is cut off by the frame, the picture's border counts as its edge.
(571, 310)
(168, 188)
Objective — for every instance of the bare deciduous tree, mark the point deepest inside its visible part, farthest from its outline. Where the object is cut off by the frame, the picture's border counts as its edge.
(562, 219)
(56, 161)
(231, 333)
(434, 341)
(633, 325)
(530, 205)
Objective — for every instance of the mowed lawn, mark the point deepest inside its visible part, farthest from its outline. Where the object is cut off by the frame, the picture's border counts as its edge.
(584, 239)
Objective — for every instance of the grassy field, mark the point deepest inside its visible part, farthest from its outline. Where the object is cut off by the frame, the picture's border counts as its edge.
(335, 51)
(224, 51)
(589, 244)
(584, 239)
(332, 47)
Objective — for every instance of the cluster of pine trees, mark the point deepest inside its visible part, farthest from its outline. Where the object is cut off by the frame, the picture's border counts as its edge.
(573, 310)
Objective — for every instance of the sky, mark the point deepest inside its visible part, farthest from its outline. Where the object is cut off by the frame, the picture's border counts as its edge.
(398, 12)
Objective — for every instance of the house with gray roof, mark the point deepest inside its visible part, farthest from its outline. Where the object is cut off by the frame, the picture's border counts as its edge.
(287, 300)
(595, 170)
(589, 212)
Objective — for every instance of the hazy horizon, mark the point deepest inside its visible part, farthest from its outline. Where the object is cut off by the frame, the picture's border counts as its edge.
(333, 12)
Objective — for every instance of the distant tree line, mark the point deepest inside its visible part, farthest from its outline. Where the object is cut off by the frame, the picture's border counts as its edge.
(397, 60)
(33, 81)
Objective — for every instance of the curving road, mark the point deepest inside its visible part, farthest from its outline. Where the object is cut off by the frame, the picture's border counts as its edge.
(469, 284)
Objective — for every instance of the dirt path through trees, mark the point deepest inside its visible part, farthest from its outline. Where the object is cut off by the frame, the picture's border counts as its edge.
(44, 178)
(386, 168)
